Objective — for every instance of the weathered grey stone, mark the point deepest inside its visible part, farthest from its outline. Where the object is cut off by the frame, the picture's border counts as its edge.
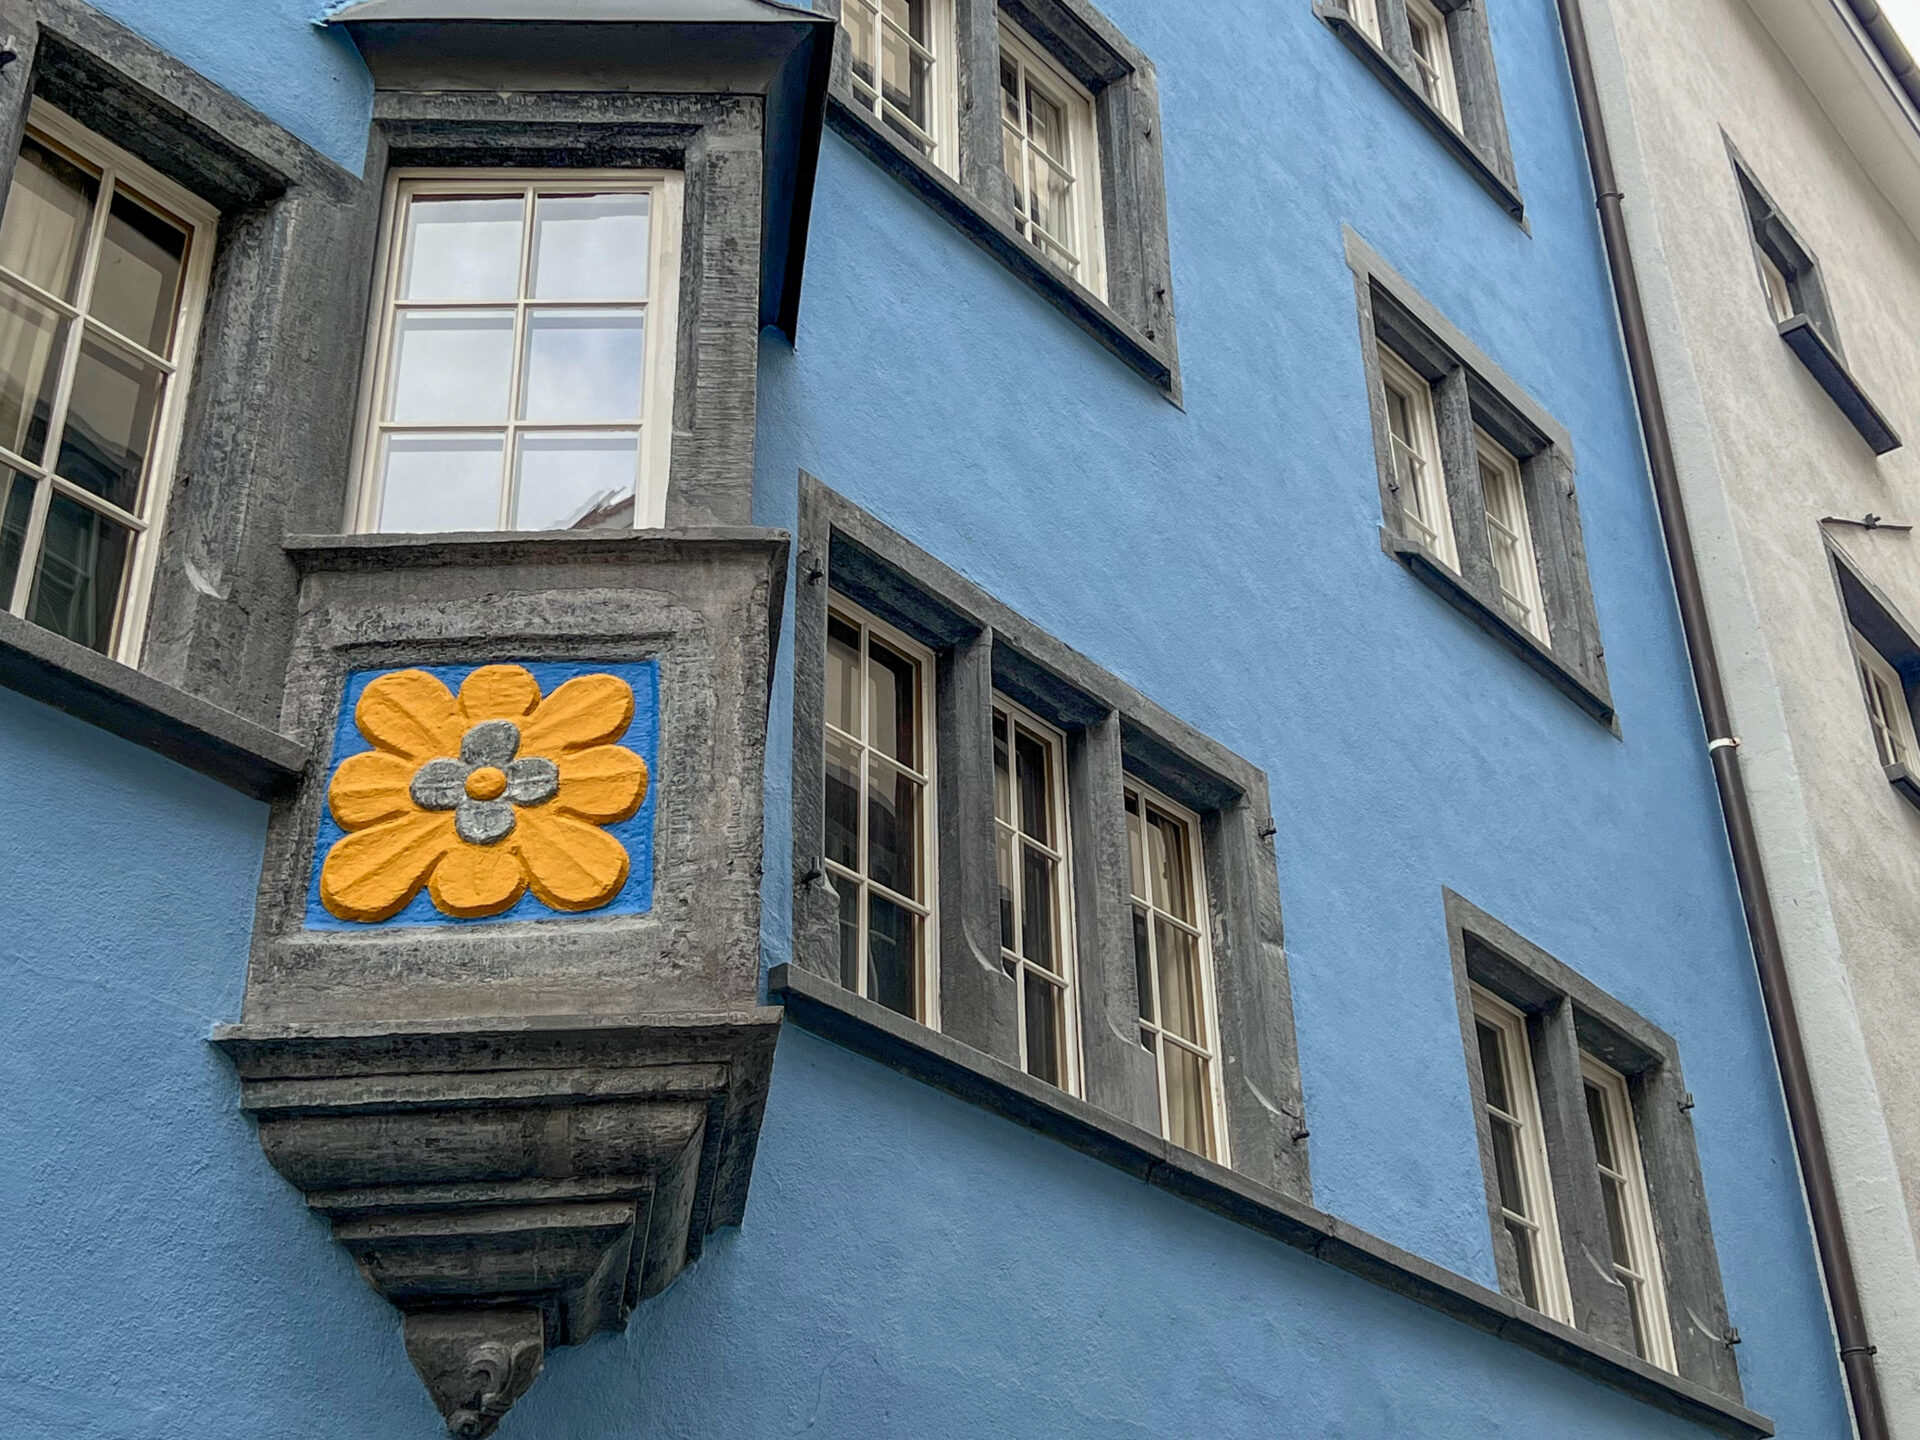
(475, 1363)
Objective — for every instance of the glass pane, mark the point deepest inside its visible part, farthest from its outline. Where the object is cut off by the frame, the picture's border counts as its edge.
(1003, 856)
(590, 247)
(906, 77)
(583, 365)
(13, 530)
(440, 482)
(1179, 957)
(1617, 1222)
(136, 289)
(1529, 1262)
(1031, 761)
(577, 482)
(892, 708)
(83, 558)
(843, 675)
(461, 248)
(1142, 964)
(1400, 416)
(893, 837)
(1137, 865)
(451, 366)
(1044, 1047)
(1052, 203)
(110, 422)
(30, 339)
(892, 955)
(45, 223)
(1047, 125)
(1167, 865)
(1188, 1106)
(849, 932)
(1002, 776)
(843, 803)
(1037, 939)
(1506, 1168)
(1493, 1066)
(859, 17)
(1602, 1133)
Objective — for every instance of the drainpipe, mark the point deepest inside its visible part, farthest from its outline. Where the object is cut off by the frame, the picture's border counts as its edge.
(1816, 1169)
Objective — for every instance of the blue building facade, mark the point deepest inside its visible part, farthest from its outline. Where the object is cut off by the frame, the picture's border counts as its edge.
(918, 1254)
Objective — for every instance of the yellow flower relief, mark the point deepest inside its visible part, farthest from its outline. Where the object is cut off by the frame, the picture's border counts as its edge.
(484, 796)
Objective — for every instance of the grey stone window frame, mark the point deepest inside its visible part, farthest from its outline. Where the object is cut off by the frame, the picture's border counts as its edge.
(1480, 141)
(981, 647)
(1567, 1016)
(1470, 391)
(1868, 610)
(1136, 319)
(1811, 331)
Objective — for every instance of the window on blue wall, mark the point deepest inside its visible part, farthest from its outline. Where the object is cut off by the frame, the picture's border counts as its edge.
(1052, 155)
(1633, 1246)
(901, 62)
(1036, 905)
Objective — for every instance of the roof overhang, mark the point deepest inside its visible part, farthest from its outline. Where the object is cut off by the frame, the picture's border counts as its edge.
(757, 47)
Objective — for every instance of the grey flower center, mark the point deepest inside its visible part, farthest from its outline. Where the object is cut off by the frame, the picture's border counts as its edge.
(492, 744)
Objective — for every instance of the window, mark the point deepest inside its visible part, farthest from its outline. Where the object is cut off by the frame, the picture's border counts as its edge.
(901, 69)
(879, 835)
(1433, 58)
(1052, 158)
(1779, 289)
(1510, 536)
(1030, 846)
(522, 369)
(1623, 1189)
(1417, 476)
(103, 271)
(1887, 709)
(1366, 14)
(1520, 1154)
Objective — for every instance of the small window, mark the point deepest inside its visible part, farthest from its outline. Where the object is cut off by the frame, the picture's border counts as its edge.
(1036, 921)
(1433, 58)
(1174, 968)
(1366, 14)
(902, 69)
(1052, 157)
(522, 371)
(1419, 480)
(103, 271)
(879, 809)
(1520, 1154)
(1887, 709)
(1623, 1191)
(1779, 289)
(1510, 536)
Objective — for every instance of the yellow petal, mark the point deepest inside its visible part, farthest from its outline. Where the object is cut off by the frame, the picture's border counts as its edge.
(498, 692)
(606, 784)
(372, 874)
(370, 787)
(570, 864)
(478, 880)
(587, 710)
(411, 714)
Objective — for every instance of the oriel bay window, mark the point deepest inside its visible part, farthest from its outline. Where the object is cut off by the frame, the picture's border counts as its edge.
(1030, 837)
(103, 268)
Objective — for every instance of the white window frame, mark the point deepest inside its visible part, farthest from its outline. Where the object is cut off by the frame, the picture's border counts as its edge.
(661, 306)
(927, 1002)
(1034, 66)
(1202, 929)
(1366, 15)
(1438, 81)
(1524, 605)
(1516, 1056)
(1645, 1276)
(943, 92)
(1066, 981)
(1430, 481)
(1885, 694)
(202, 222)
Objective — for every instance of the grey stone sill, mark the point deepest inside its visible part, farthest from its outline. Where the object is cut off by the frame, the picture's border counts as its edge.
(135, 706)
(1832, 375)
(1450, 138)
(874, 1031)
(1904, 780)
(1589, 696)
(999, 239)
(312, 553)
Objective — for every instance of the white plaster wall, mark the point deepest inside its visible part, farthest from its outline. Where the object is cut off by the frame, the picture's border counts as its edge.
(1764, 454)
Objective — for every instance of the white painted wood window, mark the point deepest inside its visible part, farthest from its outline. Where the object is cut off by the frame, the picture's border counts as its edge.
(1366, 14)
(1623, 1190)
(1887, 709)
(1052, 155)
(1418, 479)
(103, 280)
(1516, 568)
(1174, 968)
(1036, 907)
(1520, 1154)
(1779, 289)
(880, 810)
(522, 352)
(1433, 58)
(902, 62)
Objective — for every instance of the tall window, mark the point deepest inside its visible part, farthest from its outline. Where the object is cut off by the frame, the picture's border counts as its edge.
(1886, 696)
(522, 375)
(902, 63)
(1036, 945)
(1418, 478)
(103, 269)
(1623, 1189)
(1366, 14)
(1052, 155)
(1510, 537)
(1778, 287)
(879, 809)
(1520, 1154)
(1433, 57)
(1174, 968)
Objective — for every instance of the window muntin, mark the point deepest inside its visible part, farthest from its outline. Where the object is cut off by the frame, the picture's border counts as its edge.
(901, 53)
(879, 809)
(1052, 156)
(1174, 968)
(1036, 917)
(1886, 697)
(1510, 536)
(522, 370)
(1418, 479)
(103, 273)
(1623, 1190)
(1520, 1154)
(1433, 58)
